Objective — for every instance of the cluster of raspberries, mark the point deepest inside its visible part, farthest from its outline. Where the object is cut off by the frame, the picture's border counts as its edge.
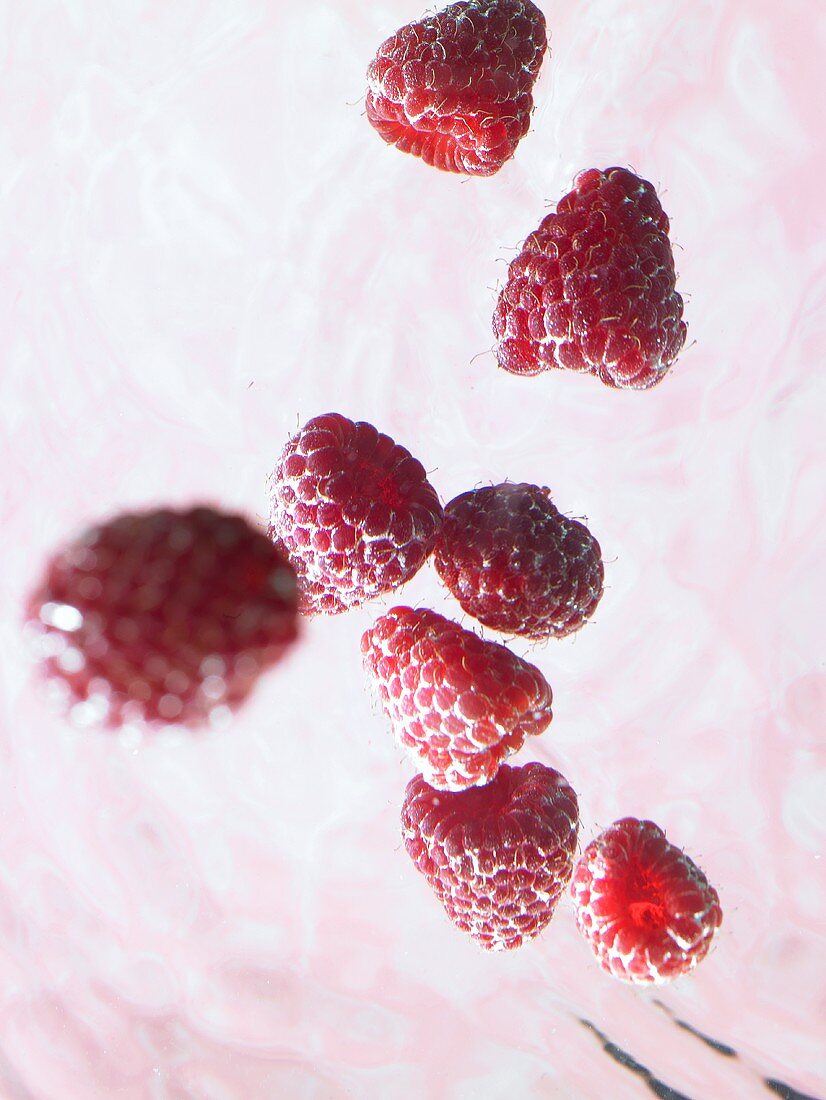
(593, 288)
(168, 617)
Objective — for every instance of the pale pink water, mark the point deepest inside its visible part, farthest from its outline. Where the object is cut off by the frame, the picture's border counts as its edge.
(203, 244)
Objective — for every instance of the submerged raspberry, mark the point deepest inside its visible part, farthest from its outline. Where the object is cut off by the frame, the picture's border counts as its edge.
(162, 617)
(594, 287)
(516, 564)
(353, 510)
(458, 704)
(647, 911)
(498, 857)
(455, 88)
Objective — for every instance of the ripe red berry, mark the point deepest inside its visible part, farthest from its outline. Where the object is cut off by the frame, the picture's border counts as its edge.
(516, 564)
(162, 617)
(353, 510)
(458, 704)
(455, 88)
(498, 857)
(593, 288)
(647, 911)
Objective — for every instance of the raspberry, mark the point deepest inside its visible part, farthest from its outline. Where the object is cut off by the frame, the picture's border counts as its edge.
(353, 510)
(498, 857)
(593, 288)
(458, 704)
(516, 563)
(648, 912)
(162, 617)
(455, 88)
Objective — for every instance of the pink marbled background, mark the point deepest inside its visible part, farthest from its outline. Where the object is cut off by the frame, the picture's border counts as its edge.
(203, 243)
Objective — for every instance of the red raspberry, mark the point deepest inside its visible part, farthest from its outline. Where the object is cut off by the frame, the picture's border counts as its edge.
(455, 88)
(648, 912)
(498, 857)
(516, 563)
(459, 705)
(353, 510)
(593, 288)
(162, 617)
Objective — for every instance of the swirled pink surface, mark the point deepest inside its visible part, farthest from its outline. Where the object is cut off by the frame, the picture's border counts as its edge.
(203, 244)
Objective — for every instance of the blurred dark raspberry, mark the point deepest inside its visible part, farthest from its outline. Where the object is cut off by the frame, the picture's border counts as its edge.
(353, 510)
(162, 617)
(455, 88)
(458, 704)
(516, 564)
(498, 857)
(647, 911)
(593, 288)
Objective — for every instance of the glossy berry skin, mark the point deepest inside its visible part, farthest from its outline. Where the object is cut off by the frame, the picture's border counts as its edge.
(594, 289)
(498, 857)
(455, 88)
(516, 564)
(353, 510)
(458, 704)
(162, 617)
(647, 911)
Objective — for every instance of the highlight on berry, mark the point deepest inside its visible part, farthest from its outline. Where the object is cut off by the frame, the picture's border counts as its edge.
(497, 857)
(593, 289)
(459, 705)
(352, 510)
(517, 564)
(646, 910)
(455, 89)
(161, 618)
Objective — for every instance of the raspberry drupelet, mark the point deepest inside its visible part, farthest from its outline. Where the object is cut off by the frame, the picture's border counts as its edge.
(647, 911)
(516, 564)
(456, 88)
(459, 705)
(162, 617)
(498, 857)
(594, 288)
(353, 510)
